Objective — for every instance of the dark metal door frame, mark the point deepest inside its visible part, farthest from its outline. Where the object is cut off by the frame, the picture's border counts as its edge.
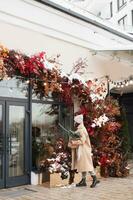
(20, 180)
(2, 150)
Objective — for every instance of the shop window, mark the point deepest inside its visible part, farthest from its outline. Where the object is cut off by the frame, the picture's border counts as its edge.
(35, 97)
(13, 88)
(121, 3)
(46, 131)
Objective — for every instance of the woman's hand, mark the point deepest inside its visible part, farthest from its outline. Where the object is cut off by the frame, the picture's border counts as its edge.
(74, 144)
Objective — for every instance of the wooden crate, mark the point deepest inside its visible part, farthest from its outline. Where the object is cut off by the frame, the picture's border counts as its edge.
(54, 180)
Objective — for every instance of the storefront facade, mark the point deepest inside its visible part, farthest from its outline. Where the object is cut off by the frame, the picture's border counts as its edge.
(21, 116)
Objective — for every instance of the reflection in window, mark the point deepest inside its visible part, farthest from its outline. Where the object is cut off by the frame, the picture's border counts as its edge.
(65, 119)
(44, 120)
(13, 88)
(16, 140)
(46, 130)
(49, 98)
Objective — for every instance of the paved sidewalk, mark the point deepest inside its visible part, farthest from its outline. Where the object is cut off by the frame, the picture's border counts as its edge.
(108, 189)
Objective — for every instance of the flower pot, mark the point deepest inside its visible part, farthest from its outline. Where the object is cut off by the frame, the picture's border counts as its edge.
(36, 178)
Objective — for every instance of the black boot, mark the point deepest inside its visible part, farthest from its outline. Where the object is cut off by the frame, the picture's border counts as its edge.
(82, 183)
(94, 182)
(72, 175)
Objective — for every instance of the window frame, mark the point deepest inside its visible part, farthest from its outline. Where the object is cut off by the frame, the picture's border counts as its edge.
(121, 4)
(122, 19)
(111, 9)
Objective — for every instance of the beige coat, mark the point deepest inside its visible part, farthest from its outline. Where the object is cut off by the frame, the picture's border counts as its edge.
(82, 156)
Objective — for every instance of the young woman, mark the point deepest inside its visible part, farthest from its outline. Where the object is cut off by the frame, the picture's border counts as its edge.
(81, 154)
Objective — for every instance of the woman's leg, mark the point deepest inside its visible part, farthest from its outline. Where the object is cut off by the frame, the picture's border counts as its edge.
(83, 180)
(72, 175)
(84, 174)
(95, 181)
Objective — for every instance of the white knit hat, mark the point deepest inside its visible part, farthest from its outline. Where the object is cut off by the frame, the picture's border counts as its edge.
(78, 119)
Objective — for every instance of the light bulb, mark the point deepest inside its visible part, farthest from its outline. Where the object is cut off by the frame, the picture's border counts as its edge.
(127, 84)
(131, 81)
(27, 81)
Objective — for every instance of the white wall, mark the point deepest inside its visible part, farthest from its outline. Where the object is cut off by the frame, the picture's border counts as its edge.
(30, 42)
(40, 18)
(23, 35)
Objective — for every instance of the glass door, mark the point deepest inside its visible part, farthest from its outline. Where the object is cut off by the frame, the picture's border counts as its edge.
(14, 144)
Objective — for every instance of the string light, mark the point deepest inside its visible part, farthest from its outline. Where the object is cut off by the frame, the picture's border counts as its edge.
(123, 83)
(27, 81)
(127, 83)
(131, 82)
(117, 84)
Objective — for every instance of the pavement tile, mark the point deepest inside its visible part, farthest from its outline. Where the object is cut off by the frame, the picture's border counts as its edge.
(108, 189)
